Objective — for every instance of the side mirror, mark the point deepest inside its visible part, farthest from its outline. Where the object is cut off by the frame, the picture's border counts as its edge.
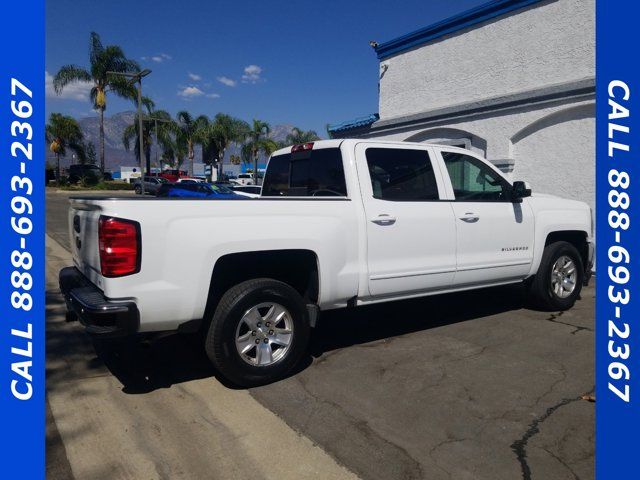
(519, 191)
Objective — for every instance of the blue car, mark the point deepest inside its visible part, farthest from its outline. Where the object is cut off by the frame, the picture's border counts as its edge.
(197, 190)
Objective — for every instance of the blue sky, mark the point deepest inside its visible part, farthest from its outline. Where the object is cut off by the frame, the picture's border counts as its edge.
(301, 63)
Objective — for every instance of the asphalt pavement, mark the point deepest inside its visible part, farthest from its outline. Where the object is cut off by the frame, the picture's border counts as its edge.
(465, 386)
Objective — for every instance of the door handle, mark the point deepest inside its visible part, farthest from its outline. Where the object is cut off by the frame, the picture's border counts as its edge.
(470, 217)
(384, 219)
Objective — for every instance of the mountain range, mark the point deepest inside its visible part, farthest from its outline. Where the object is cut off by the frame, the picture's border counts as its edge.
(115, 153)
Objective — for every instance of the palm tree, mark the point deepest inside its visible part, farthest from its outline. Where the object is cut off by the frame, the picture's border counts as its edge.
(258, 142)
(101, 60)
(63, 132)
(156, 123)
(190, 133)
(298, 136)
(222, 132)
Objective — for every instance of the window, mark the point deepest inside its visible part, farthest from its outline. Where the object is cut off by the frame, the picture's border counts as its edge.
(473, 181)
(310, 173)
(401, 174)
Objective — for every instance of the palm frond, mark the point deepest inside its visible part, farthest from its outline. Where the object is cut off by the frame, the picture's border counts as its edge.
(95, 47)
(129, 133)
(184, 118)
(69, 74)
(122, 87)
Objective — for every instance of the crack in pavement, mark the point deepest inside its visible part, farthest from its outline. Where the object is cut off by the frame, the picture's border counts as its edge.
(519, 447)
(563, 463)
(441, 444)
(554, 319)
(412, 467)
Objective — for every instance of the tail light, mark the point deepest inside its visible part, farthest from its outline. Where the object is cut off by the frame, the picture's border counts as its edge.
(119, 244)
(302, 147)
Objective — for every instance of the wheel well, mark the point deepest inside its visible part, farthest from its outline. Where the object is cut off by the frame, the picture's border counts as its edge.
(297, 268)
(575, 237)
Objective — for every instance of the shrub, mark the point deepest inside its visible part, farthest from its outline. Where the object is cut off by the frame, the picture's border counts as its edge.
(113, 185)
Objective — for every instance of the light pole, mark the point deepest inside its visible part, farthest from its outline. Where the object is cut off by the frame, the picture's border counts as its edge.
(155, 121)
(137, 77)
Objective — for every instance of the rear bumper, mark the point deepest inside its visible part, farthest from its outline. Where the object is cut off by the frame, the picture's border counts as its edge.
(100, 316)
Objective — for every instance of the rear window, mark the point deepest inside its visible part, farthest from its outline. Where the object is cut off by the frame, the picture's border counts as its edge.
(310, 173)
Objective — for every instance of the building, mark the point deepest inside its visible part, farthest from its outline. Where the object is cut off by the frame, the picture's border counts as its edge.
(513, 80)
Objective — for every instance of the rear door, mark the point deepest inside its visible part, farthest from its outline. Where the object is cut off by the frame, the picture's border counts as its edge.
(410, 231)
(494, 239)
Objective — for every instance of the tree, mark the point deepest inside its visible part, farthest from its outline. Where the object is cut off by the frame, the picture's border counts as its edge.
(63, 132)
(190, 133)
(258, 142)
(223, 131)
(154, 123)
(101, 60)
(298, 136)
(90, 150)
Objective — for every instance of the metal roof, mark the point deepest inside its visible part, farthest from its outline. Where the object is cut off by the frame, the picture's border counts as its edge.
(355, 123)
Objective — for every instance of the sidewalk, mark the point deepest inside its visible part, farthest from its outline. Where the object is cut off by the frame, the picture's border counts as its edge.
(194, 429)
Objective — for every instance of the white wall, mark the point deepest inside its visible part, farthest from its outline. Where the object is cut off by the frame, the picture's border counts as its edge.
(549, 43)
(553, 146)
(557, 154)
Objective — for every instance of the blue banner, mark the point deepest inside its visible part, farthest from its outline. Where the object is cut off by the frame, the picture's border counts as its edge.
(22, 260)
(618, 240)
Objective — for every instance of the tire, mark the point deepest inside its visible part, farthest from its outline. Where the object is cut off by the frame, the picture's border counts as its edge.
(548, 290)
(138, 189)
(235, 312)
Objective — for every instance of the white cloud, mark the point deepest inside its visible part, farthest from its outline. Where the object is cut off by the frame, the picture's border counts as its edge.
(212, 95)
(229, 82)
(252, 74)
(161, 57)
(190, 92)
(195, 77)
(73, 91)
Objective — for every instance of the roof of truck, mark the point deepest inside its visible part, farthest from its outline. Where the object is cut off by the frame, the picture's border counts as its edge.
(335, 143)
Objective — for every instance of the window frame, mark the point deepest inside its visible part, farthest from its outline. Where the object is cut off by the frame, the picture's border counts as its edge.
(434, 168)
(479, 160)
(364, 177)
(309, 197)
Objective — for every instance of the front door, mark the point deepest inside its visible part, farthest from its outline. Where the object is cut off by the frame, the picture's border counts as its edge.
(410, 231)
(494, 235)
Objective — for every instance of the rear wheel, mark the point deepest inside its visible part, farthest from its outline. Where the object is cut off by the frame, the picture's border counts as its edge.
(138, 189)
(558, 283)
(258, 333)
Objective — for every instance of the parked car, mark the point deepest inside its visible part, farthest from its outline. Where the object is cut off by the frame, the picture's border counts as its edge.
(246, 191)
(191, 180)
(173, 175)
(252, 191)
(340, 224)
(90, 173)
(151, 185)
(195, 190)
(243, 179)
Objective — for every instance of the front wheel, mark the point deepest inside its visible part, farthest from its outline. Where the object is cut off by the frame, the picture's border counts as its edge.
(558, 283)
(258, 333)
(138, 189)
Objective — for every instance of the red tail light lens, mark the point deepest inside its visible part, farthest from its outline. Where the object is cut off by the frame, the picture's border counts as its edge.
(302, 147)
(119, 243)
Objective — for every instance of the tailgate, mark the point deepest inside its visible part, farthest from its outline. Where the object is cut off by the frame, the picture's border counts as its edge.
(83, 231)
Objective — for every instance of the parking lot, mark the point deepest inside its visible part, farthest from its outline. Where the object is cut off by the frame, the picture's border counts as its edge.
(464, 386)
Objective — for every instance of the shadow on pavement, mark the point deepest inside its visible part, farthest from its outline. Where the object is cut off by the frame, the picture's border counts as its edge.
(144, 365)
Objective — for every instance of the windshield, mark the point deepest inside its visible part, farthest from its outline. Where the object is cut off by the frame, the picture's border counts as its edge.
(221, 188)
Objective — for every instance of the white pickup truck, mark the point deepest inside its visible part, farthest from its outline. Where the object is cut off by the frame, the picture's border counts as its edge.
(340, 223)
